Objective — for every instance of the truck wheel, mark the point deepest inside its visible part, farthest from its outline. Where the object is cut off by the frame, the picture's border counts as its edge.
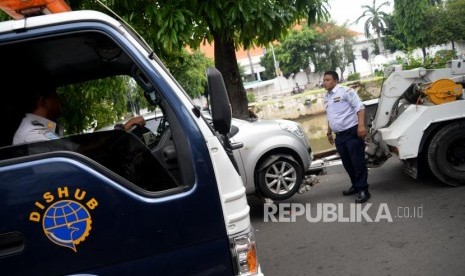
(446, 154)
(279, 177)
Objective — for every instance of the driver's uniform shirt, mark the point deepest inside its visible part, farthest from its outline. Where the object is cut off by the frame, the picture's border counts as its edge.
(342, 105)
(35, 128)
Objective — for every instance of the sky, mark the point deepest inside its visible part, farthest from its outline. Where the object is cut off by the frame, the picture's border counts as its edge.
(349, 10)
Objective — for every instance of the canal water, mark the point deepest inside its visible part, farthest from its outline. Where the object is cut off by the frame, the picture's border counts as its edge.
(316, 126)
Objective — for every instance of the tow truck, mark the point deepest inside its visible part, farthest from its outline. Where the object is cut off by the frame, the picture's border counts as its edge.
(420, 118)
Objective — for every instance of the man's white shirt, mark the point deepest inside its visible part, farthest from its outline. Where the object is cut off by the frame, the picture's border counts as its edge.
(342, 104)
(35, 128)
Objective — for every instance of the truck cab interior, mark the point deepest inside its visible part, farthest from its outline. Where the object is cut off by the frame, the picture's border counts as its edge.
(77, 57)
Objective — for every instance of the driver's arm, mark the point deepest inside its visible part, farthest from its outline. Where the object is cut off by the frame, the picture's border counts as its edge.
(138, 120)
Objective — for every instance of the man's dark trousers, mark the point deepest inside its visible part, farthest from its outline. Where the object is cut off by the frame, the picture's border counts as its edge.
(351, 149)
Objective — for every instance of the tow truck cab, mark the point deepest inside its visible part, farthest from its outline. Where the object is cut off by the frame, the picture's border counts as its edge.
(115, 202)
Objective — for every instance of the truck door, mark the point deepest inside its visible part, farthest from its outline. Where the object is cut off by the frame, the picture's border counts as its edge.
(108, 202)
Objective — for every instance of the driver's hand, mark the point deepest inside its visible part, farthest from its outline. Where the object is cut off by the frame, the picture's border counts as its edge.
(139, 120)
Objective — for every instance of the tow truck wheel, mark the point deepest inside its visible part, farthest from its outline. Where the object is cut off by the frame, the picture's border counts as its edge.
(279, 177)
(446, 154)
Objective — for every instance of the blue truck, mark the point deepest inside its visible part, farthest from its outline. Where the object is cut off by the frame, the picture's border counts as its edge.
(116, 202)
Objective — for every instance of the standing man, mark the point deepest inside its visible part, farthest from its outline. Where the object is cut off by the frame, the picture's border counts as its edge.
(346, 118)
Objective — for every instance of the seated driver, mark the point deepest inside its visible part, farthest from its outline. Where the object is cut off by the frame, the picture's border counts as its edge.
(39, 123)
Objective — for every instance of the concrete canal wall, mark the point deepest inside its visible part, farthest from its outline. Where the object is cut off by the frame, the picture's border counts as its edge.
(309, 102)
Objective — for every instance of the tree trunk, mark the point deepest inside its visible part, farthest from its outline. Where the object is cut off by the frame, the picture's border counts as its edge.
(423, 50)
(380, 45)
(342, 69)
(226, 63)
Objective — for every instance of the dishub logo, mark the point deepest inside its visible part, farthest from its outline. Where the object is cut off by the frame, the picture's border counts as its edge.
(66, 221)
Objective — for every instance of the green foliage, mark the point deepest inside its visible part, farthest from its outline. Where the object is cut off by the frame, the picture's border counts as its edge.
(413, 22)
(94, 104)
(318, 44)
(346, 54)
(100, 103)
(354, 76)
(267, 61)
(328, 52)
(189, 70)
(443, 56)
(439, 60)
(250, 97)
(379, 73)
(375, 18)
(446, 22)
(394, 39)
(294, 51)
(363, 93)
(348, 50)
(170, 25)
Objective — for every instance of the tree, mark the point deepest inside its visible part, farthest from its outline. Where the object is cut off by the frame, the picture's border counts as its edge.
(172, 25)
(375, 20)
(393, 38)
(94, 104)
(327, 45)
(229, 24)
(267, 61)
(189, 70)
(412, 21)
(454, 9)
(348, 56)
(447, 22)
(328, 54)
(294, 51)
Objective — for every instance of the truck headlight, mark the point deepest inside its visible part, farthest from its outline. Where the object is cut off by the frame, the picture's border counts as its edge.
(293, 128)
(244, 253)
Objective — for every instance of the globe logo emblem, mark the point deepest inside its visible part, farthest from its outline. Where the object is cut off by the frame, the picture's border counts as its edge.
(67, 223)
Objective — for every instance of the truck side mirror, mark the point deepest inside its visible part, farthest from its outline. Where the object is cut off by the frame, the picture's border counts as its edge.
(219, 101)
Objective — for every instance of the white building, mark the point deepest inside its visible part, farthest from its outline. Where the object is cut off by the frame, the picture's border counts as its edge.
(365, 64)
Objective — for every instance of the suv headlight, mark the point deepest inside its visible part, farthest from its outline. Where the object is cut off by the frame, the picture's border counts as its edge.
(244, 254)
(293, 128)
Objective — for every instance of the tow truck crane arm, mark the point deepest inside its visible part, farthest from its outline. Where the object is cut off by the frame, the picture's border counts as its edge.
(414, 107)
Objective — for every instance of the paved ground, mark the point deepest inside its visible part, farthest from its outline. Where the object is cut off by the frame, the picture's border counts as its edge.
(431, 242)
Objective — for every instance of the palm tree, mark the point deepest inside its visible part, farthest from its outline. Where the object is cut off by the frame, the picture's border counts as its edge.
(375, 20)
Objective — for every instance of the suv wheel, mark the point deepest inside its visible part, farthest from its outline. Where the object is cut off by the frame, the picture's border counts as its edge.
(279, 177)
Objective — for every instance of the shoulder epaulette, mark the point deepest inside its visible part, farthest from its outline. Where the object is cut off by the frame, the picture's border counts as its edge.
(36, 123)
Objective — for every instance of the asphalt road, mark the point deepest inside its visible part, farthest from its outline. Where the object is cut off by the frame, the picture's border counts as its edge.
(426, 235)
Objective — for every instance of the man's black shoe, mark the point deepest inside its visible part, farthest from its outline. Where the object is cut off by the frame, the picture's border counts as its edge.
(351, 191)
(363, 196)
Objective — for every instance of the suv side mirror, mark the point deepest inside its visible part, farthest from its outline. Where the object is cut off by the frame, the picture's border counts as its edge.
(219, 101)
